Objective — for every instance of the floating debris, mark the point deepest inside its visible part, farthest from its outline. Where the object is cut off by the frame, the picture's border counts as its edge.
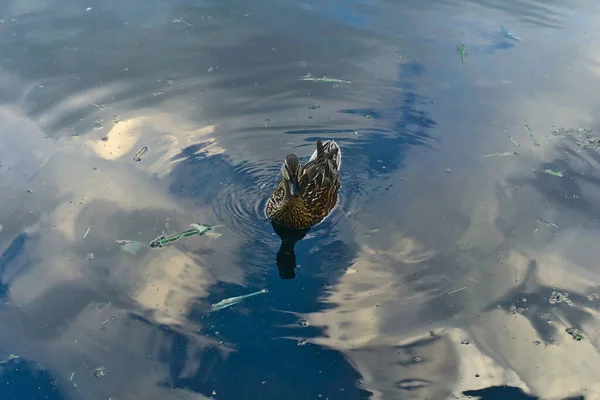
(100, 106)
(267, 122)
(457, 290)
(548, 224)
(558, 174)
(556, 297)
(87, 232)
(509, 35)
(196, 230)
(138, 155)
(180, 20)
(9, 359)
(512, 139)
(326, 79)
(99, 372)
(461, 50)
(130, 246)
(233, 301)
(90, 256)
(302, 342)
(514, 310)
(584, 138)
(575, 333)
(208, 230)
(303, 322)
(369, 116)
(508, 153)
(72, 376)
(528, 129)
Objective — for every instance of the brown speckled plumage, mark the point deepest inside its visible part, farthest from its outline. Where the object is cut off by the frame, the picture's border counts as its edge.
(318, 183)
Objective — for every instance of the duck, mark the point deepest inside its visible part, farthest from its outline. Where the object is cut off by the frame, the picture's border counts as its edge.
(306, 194)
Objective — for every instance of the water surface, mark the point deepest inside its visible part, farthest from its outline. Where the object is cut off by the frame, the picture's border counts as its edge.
(435, 277)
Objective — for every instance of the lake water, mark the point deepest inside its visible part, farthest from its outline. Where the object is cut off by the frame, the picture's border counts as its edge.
(451, 268)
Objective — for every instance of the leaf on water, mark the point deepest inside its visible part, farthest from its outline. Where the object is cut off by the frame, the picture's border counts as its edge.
(99, 372)
(207, 230)
(130, 246)
(509, 34)
(575, 334)
(558, 174)
(528, 129)
(548, 224)
(138, 155)
(233, 301)
(512, 139)
(457, 290)
(461, 50)
(197, 229)
(324, 79)
(508, 153)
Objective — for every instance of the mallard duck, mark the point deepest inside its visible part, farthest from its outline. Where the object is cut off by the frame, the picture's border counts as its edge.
(306, 194)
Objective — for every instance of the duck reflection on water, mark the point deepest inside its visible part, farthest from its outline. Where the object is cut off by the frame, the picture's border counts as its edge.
(286, 257)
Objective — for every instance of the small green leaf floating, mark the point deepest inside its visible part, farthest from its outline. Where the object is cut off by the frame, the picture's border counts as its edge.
(558, 174)
(528, 129)
(461, 50)
(197, 229)
(512, 139)
(575, 333)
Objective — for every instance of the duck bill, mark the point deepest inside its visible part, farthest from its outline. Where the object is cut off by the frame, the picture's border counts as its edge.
(294, 189)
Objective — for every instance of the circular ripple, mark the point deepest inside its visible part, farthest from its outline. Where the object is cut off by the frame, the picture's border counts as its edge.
(241, 203)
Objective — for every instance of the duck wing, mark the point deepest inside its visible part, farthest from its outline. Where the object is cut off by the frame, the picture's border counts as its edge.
(319, 177)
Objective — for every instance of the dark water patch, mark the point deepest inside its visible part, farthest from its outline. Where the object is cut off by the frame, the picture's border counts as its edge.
(13, 261)
(254, 369)
(500, 393)
(24, 379)
(532, 300)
